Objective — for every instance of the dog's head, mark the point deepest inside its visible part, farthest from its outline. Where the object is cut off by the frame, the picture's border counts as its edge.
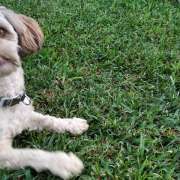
(19, 35)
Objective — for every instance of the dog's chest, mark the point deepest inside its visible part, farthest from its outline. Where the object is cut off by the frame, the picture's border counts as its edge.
(14, 119)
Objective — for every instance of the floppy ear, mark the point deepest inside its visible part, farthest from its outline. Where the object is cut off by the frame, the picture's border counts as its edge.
(31, 39)
(29, 32)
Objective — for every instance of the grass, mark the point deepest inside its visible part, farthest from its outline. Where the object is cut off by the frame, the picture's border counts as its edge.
(115, 63)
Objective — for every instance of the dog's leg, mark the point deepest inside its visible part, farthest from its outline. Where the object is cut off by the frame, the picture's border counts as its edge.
(59, 163)
(74, 125)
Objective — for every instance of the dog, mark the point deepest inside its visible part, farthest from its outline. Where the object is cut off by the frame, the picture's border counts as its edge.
(19, 36)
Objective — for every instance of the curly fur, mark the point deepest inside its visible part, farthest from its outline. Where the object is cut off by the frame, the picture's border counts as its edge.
(24, 33)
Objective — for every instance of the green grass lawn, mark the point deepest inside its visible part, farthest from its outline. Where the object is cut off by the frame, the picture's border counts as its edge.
(115, 63)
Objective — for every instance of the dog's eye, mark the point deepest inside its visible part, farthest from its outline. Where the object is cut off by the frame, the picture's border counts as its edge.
(2, 32)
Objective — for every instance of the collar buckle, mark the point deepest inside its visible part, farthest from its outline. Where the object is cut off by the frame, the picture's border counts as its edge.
(26, 100)
(7, 101)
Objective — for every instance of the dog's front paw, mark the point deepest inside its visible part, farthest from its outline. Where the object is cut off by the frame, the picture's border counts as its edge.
(77, 126)
(66, 165)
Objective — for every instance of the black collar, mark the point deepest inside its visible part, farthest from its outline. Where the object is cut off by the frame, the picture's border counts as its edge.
(11, 101)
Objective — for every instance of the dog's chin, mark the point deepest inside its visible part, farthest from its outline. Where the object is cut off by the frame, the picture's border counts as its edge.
(7, 67)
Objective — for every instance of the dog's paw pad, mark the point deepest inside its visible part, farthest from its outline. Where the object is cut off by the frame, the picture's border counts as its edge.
(77, 126)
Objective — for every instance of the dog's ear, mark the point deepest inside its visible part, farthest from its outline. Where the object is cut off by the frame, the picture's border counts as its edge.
(31, 39)
(29, 32)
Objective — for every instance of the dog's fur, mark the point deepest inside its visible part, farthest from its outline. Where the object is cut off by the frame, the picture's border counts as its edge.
(21, 35)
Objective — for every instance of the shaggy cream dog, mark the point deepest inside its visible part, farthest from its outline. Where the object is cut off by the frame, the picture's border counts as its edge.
(21, 35)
